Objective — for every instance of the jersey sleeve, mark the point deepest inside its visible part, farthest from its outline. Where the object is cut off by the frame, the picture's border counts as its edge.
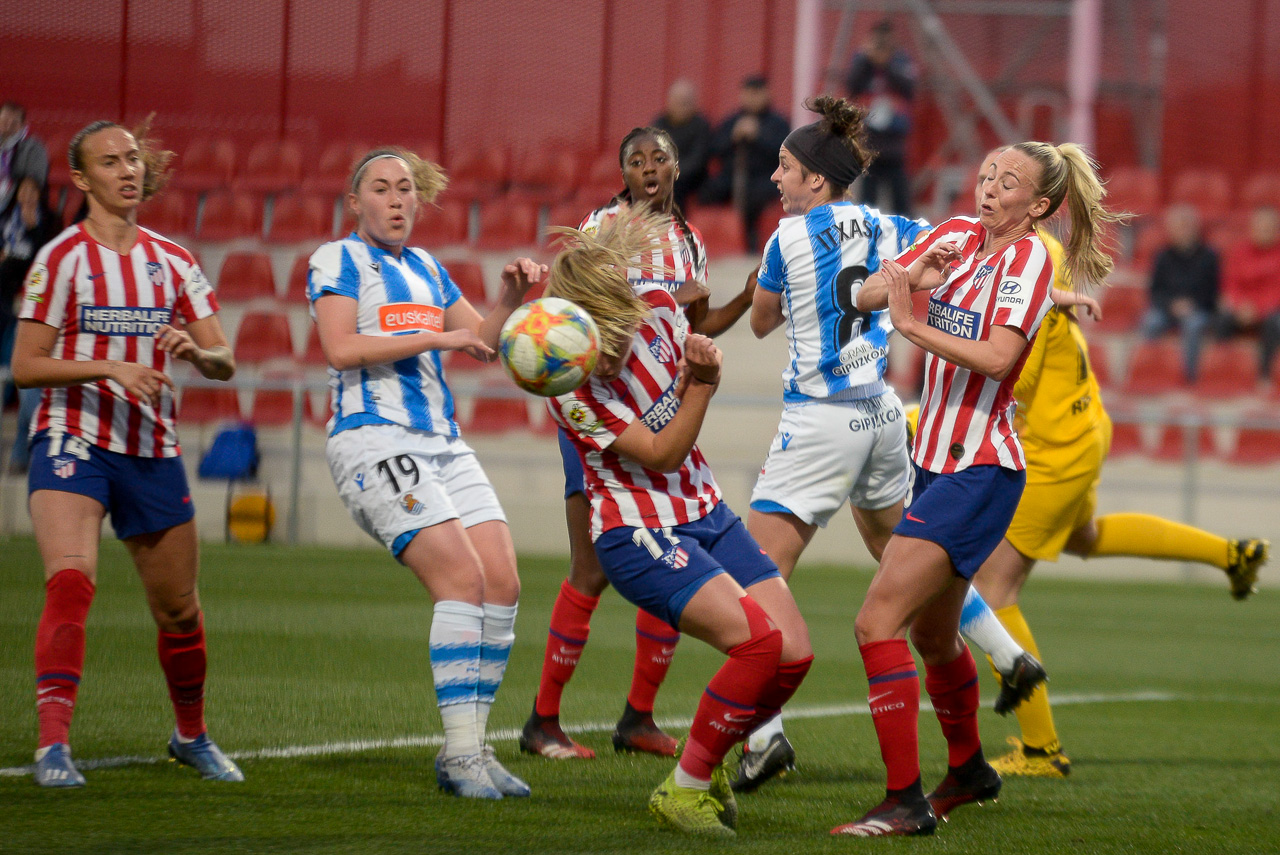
(773, 269)
(592, 415)
(46, 292)
(901, 234)
(700, 263)
(332, 271)
(449, 291)
(956, 229)
(196, 299)
(1023, 283)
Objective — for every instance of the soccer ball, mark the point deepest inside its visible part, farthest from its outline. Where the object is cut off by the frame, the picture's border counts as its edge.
(549, 346)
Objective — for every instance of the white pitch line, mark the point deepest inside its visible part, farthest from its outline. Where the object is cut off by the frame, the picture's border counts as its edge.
(360, 746)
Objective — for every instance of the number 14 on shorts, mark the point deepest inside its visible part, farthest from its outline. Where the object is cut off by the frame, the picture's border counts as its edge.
(674, 556)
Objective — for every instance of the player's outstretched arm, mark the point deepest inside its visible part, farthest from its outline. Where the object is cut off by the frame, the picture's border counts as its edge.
(766, 309)
(719, 319)
(517, 278)
(926, 273)
(35, 366)
(666, 450)
(345, 349)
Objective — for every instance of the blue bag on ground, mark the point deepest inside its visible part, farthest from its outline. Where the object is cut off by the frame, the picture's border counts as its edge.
(233, 455)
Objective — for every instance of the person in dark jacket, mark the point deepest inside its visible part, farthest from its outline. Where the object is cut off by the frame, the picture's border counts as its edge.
(882, 79)
(1184, 287)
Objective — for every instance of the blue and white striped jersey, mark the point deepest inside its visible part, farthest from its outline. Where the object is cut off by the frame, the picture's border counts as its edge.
(817, 262)
(393, 296)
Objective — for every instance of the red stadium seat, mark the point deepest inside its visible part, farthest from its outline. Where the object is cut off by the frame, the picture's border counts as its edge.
(491, 414)
(245, 276)
(72, 203)
(506, 224)
(1100, 363)
(314, 354)
(1172, 443)
(274, 407)
(1207, 190)
(446, 223)
(201, 405)
(206, 165)
(297, 218)
(1134, 190)
(545, 175)
(1227, 370)
(1155, 368)
(296, 291)
(229, 216)
(1261, 188)
(56, 146)
(1150, 239)
(469, 277)
(722, 230)
(262, 337)
(601, 183)
(1126, 439)
(1256, 445)
(1122, 309)
(568, 214)
(479, 173)
(272, 166)
(167, 214)
(333, 168)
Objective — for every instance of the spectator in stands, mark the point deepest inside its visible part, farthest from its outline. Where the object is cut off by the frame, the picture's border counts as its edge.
(746, 148)
(25, 226)
(21, 155)
(1184, 286)
(882, 78)
(1251, 285)
(691, 132)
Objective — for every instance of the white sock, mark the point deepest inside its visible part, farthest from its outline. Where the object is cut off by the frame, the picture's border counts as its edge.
(979, 624)
(684, 779)
(495, 649)
(455, 667)
(759, 739)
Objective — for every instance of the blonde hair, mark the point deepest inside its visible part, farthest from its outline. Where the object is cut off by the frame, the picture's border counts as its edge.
(429, 179)
(591, 271)
(1067, 172)
(155, 160)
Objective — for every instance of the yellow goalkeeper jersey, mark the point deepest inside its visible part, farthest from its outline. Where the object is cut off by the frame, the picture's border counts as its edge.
(1060, 409)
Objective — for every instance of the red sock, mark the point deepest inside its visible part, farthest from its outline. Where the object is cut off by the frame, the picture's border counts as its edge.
(570, 626)
(728, 706)
(894, 698)
(953, 688)
(182, 657)
(790, 676)
(60, 652)
(655, 642)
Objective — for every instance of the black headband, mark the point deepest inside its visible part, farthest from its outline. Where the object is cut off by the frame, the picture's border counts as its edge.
(824, 153)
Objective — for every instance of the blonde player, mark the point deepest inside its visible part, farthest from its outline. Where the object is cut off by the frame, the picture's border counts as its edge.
(385, 313)
(1066, 433)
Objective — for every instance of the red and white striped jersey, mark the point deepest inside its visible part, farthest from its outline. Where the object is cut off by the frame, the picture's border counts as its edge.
(622, 492)
(109, 306)
(684, 261)
(966, 418)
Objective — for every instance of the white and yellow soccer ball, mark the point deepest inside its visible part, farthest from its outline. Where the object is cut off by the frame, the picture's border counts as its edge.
(549, 346)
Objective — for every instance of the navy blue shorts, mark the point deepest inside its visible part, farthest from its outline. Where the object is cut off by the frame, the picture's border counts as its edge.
(660, 570)
(966, 513)
(142, 494)
(574, 479)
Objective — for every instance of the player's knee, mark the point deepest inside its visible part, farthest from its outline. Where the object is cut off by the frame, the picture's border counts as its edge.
(936, 647)
(180, 615)
(585, 575)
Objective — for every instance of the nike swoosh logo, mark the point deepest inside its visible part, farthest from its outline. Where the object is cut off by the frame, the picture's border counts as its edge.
(879, 697)
(667, 651)
(738, 719)
(42, 691)
(93, 276)
(569, 651)
(914, 519)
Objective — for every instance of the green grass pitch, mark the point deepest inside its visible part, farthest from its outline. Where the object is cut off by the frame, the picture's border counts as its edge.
(1170, 713)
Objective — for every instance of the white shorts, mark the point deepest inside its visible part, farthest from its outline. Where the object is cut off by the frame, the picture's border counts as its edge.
(396, 481)
(828, 452)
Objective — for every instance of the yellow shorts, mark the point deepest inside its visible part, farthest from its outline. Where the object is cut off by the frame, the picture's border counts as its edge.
(1052, 508)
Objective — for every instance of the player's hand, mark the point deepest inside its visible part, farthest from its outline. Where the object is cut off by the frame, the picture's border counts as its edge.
(898, 281)
(1091, 307)
(463, 339)
(702, 359)
(520, 275)
(941, 255)
(177, 343)
(141, 381)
